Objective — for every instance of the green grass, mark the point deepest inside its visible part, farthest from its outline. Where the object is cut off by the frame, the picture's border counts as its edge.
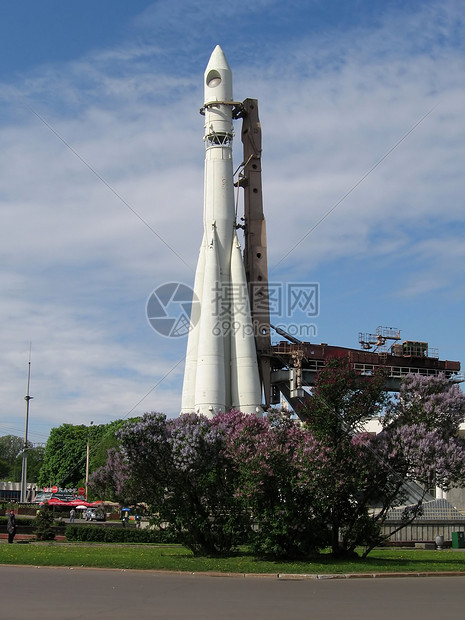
(176, 558)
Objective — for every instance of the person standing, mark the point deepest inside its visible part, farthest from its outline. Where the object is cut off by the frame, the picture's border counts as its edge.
(72, 514)
(11, 526)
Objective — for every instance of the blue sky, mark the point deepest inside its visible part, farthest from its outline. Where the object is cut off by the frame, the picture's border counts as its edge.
(101, 174)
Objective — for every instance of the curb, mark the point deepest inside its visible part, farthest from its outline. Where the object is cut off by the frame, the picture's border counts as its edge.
(297, 577)
(278, 576)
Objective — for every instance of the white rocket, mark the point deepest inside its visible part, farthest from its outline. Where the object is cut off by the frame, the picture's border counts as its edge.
(221, 371)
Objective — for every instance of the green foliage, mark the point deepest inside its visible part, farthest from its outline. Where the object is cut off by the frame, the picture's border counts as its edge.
(4, 469)
(118, 534)
(280, 535)
(11, 459)
(102, 439)
(23, 521)
(65, 456)
(64, 461)
(10, 447)
(44, 524)
(342, 401)
(35, 459)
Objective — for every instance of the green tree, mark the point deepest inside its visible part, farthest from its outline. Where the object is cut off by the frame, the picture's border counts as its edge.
(64, 462)
(65, 456)
(11, 453)
(10, 447)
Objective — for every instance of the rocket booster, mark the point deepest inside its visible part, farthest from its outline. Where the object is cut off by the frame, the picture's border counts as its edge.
(221, 371)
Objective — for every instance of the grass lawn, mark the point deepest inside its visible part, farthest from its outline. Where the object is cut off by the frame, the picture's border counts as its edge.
(177, 558)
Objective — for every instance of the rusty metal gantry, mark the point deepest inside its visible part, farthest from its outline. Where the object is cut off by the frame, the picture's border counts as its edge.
(288, 366)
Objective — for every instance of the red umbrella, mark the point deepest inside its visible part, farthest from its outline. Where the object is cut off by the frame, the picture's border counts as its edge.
(77, 502)
(54, 501)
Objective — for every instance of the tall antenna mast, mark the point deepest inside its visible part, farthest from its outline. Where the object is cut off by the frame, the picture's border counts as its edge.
(27, 398)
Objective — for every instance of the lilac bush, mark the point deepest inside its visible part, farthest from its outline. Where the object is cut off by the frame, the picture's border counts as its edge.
(431, 400)
(290, 488)
(336, 411)
(368, 475)
(182, 472)
(419, 444)
(226, 481)
(280, 468)
(420, 436)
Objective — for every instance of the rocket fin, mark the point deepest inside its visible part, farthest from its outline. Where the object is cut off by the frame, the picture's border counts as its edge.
(190, 371)
(210, 375)
(245, 379)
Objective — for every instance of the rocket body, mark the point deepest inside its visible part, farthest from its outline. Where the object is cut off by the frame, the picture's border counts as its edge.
(221, 369)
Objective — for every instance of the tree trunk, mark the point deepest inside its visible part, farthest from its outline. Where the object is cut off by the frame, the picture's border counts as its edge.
(335, 539)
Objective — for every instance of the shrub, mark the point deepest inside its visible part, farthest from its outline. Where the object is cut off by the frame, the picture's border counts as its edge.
(44, 524)
(20, 521)
(109, 534)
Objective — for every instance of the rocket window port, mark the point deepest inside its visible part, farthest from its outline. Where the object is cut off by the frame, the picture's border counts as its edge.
(213, 79)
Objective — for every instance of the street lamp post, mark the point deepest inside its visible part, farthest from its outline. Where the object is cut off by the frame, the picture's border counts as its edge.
(27, 398)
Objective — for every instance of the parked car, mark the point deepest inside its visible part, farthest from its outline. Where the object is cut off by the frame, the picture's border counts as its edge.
(94, 514)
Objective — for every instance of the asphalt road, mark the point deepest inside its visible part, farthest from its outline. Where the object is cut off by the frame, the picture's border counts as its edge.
(72, 594)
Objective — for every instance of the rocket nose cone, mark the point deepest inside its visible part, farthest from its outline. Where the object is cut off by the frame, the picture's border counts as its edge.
(218, 60)
(218, 77)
